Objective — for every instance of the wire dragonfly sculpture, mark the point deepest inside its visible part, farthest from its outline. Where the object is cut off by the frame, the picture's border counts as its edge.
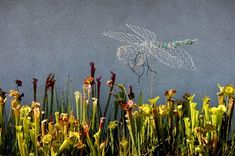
(142, 45)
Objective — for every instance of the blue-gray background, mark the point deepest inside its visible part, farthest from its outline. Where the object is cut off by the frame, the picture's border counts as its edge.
(63, 36)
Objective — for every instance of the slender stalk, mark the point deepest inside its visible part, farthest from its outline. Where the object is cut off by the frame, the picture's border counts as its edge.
(94, 110)
(111, 84)
(52, 100)
(230, 115)
(35, 89)
(108, 101)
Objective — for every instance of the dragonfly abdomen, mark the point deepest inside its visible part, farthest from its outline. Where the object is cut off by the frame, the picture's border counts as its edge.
(177, 44)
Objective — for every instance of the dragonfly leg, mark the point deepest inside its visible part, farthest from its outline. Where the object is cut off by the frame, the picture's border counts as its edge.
(134, 71)
(149, 68)
(134, 63)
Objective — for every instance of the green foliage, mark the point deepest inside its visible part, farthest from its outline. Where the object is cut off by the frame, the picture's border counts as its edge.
(176, 127)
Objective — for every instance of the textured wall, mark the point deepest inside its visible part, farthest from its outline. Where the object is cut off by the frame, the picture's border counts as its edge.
(63, 36)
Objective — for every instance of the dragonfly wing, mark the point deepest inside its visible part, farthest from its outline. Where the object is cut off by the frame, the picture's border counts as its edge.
(124, 37)
(145, 33)
(184, 57)
(124, 52)
(131, 55)
(164, 57)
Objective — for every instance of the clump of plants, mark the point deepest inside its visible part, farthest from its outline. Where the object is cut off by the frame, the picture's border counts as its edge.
(125, 126)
